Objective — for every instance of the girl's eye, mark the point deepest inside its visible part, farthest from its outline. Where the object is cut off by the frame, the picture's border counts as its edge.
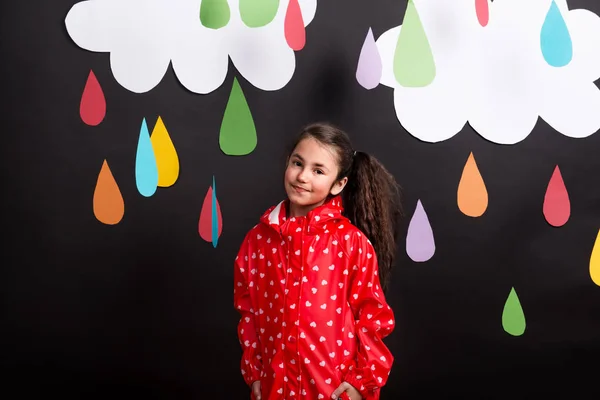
(319, 172)
(297, 163)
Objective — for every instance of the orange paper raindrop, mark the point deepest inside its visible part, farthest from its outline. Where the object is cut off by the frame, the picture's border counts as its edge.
(472, 194)
(108, 201)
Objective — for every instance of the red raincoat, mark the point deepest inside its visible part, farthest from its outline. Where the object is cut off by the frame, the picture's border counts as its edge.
(312, 310)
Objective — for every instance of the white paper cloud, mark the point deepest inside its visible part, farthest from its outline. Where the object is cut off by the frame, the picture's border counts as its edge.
(495, 77)
(144, 36)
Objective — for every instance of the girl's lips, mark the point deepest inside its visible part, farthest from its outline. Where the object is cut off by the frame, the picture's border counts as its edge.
(299, 189)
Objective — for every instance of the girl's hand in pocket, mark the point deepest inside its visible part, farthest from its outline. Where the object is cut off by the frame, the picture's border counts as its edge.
(347, 388)
(256, 390)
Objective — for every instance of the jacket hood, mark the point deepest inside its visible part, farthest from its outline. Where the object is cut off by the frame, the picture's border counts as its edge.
(317, 219)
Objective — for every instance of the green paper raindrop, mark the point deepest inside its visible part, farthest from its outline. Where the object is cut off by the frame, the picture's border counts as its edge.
(257, 13)
(214, 14)
(513, 318)
(238, 133)
(414, 65)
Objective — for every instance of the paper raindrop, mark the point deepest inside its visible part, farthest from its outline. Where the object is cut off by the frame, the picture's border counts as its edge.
(146, 171)
(214, 14)
(167, 161)
(210, 224)
(92, 108)
(368, 72)
(238, 133)
(555, 39)
(557, 206)
(513, 318)
(295, 32)
(595, 261)
(414, 65)
(108, 204)
(482, 8)
(472, 196)
(257, 13)
(420, 243)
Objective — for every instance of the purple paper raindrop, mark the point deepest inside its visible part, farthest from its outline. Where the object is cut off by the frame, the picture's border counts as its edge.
(368, 72)
(420, 244)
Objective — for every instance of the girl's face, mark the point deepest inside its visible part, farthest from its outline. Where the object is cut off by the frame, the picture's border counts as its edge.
(310, 176)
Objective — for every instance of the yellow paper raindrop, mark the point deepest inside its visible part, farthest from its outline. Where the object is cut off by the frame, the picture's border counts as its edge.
(167, 160)
(595, 261)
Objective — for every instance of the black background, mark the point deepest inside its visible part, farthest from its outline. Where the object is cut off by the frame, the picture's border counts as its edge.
(144, 308)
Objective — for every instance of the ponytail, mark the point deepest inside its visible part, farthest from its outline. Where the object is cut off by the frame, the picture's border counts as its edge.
(372, 202)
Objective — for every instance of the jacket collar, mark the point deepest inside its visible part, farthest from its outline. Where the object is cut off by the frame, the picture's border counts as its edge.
(317, 219)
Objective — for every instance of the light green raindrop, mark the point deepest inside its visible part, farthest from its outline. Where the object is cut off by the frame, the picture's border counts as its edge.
(414, 65)
(257, 13)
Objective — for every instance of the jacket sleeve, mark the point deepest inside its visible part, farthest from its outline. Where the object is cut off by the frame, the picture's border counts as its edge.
(374, 320)
(251, 364)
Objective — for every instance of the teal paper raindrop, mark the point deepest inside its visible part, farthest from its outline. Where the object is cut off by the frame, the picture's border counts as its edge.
(555, 38)
(215, 216)
(146, 170)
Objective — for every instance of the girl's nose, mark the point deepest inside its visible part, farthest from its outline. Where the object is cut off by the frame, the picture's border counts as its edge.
(301, 176)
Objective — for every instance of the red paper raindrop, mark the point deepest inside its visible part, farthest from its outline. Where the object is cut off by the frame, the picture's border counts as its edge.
(557, 206)
(205, 222)
(92, 108)
(482, 8)
(295, 33)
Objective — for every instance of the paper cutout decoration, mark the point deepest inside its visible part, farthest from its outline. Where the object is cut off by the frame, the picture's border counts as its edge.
(145, 39)
(555, 39)
(210, 224)
(595, 261)
(482, 9)
(413, 59)
(513, 318)
(108, 203)
(495, 78)
(92, 108)
(214, 14)
(167, 161)
(238, 133)
(557, 206)
(472, 195)
(257, 13)
(295, 33)
(420, 243)
(146, 170)
(368, 72)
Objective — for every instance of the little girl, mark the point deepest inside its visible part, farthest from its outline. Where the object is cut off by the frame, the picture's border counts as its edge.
(309, 278)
